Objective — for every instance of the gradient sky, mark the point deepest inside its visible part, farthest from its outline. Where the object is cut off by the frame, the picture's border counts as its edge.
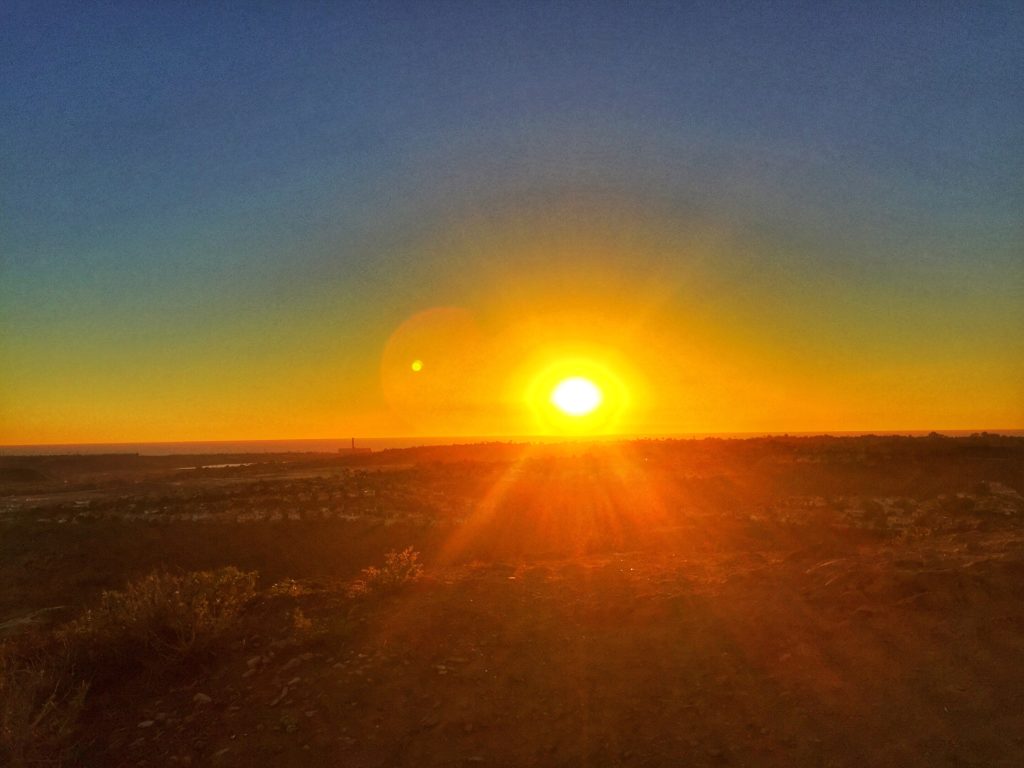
(237, 221)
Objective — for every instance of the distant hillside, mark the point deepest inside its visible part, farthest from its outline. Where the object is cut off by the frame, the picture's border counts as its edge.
(17, 475)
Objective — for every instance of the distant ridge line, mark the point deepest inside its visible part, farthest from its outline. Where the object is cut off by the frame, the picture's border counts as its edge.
(344, 445)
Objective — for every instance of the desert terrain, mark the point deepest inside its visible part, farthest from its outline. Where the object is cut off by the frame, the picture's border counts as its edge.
(764, 602)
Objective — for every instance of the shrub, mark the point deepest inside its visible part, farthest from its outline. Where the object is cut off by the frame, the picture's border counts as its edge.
(44, 679)
(163, 613)
(288, 588)
(400, 568)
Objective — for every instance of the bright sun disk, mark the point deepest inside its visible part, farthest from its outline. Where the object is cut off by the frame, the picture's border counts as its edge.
(576, 396)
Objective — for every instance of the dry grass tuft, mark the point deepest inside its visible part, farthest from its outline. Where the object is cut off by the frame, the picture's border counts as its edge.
(399, 569)
(44, 680)
(163, 614)
(40, 702)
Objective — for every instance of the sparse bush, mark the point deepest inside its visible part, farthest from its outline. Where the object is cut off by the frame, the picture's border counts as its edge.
(400, 568)
(43, 680)
(163, 613)
(288, 588)
(40, 701)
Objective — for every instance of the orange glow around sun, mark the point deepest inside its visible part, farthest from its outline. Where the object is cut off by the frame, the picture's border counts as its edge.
(443, 371)
(577, 396)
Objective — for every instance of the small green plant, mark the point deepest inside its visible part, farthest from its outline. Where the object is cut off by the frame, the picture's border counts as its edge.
(399, 569)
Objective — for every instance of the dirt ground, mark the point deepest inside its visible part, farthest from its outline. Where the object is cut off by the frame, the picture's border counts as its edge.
(625, 659)
(575, 632)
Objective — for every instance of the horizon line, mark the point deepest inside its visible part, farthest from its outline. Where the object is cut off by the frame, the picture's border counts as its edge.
(1007, 431)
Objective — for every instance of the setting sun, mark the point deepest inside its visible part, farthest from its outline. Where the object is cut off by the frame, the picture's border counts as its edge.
(581, 391)
(576, 396)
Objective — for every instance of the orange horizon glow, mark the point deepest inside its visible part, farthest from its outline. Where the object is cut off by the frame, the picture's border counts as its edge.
(726, 231)
(669, 358)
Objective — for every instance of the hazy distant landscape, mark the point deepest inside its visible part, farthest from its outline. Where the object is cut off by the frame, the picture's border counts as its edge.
(721, 602)
(345, 445)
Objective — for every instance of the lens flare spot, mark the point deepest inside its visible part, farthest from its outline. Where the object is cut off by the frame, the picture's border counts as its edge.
(576, 396)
